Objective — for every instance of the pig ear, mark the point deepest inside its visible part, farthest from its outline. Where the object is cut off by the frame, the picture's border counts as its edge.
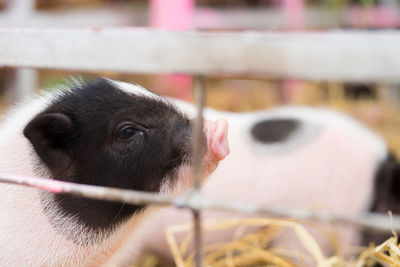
(386, 197)
(50, 134)
(395, 182)
(387, 187)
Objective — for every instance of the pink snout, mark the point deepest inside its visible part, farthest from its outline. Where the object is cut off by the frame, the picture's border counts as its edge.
(217, 138)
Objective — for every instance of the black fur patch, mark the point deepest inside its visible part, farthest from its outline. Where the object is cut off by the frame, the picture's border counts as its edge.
(386, 196)
(97, 134)
(274, 130)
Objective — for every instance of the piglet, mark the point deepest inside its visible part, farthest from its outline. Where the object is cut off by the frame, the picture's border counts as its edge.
(105, 133)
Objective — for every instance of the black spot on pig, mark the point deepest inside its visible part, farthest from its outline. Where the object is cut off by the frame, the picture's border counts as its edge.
(274, 130)
(97, 134)
(386, 197)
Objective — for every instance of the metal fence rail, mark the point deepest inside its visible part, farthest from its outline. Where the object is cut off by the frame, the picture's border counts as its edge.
(345, 56)
(196, 201)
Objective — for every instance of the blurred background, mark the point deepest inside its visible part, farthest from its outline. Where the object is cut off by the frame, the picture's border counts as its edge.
(375, 104)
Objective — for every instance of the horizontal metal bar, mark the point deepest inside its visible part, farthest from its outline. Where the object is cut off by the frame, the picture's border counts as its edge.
(346, 56)
(196, 201)
(88, 191)
(367, 220)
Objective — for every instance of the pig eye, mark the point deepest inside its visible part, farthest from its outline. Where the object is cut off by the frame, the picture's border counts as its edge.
(127, 131)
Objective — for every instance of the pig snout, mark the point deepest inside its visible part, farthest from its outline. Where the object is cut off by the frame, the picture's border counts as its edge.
(217, 138)
(216, 149)
(217, 144)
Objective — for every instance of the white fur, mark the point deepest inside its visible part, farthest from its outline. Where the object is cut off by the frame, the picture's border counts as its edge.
(26, 235)
(316, 119)
(136, 90)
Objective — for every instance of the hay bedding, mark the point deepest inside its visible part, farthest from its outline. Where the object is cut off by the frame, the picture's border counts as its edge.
(257, 249)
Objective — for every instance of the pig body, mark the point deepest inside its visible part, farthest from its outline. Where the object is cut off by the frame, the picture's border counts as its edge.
(291, 156)
(328, 162)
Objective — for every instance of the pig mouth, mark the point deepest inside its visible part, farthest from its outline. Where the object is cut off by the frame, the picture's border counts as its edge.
(216, 148)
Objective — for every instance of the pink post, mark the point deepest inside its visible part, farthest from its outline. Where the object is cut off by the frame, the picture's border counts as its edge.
(294, 14)
(174, 15)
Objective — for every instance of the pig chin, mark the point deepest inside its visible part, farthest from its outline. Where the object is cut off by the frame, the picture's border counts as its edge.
(181, 179)
(216, 149)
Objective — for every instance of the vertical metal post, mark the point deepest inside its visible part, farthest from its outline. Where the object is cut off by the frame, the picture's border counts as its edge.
(199, 86)
(21, 80)
(294, 14)
(20, 9)
(391, 93)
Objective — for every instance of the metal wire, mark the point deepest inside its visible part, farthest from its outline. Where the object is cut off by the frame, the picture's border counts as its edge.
(198, 143)
(194, 200)
(89, 191)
